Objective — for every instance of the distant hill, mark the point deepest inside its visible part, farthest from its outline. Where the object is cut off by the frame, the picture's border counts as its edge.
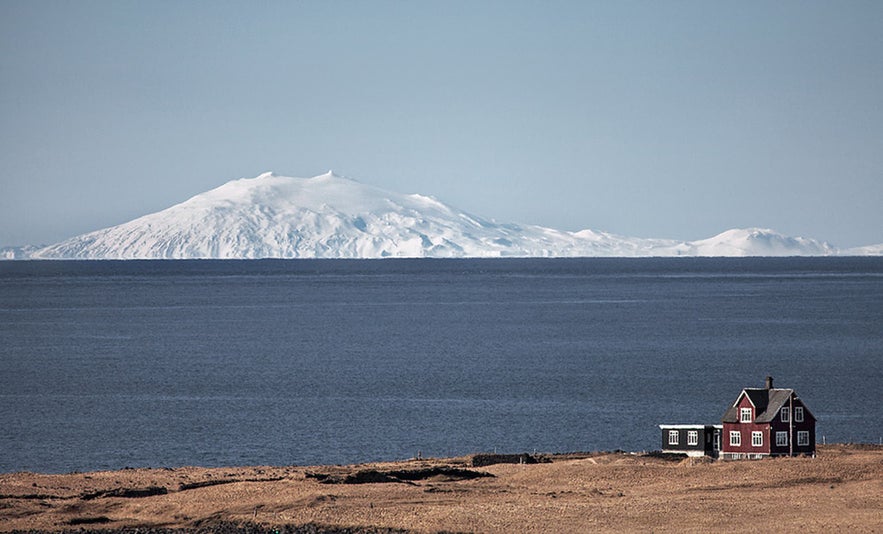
(870, 250)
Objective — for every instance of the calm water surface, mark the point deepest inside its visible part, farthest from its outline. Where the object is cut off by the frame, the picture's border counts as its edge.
(105, 365)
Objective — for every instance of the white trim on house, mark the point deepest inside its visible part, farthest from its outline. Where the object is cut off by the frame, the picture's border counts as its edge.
(798, 414)
(745, 415)
(740, 398)
(735, 438)
(743, 455)
(785, 414)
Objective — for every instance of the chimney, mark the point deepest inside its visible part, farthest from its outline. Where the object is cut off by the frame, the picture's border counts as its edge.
(769, 382)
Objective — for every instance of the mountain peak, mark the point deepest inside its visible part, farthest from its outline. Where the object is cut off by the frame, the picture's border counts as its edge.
(326, 175)
(331, 175)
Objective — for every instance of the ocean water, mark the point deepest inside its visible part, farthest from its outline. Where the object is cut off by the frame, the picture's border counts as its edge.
(105, 365)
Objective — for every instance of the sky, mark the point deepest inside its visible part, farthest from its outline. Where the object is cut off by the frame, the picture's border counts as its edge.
(676, 119)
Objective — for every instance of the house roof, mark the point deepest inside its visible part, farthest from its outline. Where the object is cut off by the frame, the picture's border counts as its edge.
(767, 403)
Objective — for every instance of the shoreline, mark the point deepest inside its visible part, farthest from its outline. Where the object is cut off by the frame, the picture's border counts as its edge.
(841, 488)
(532, 458)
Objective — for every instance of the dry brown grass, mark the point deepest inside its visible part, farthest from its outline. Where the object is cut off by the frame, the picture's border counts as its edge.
(840, 490)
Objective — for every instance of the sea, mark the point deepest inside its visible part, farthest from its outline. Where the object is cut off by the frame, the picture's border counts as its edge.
(115, 364)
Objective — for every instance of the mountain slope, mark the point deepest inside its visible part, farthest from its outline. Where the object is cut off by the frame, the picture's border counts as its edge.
(329, 216)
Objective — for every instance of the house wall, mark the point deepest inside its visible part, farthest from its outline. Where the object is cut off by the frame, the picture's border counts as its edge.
(808, 424)
(746, 429)
(704, 446)
(682, 440)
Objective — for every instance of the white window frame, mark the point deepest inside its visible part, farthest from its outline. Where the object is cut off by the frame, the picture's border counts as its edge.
(692, 437)
(802, 438)
(781, 439)
(735, 438)
(756, 438)
(785, 414)
(745, 415)
(673, 437)
(798, 414)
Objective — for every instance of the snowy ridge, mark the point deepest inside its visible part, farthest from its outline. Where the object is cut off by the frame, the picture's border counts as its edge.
(330, 216)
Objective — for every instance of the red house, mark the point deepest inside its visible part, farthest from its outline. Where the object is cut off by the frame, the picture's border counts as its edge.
(767, 422)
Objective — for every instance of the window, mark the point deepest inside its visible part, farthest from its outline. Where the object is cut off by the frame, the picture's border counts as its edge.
(735, 438)
(786, 414)
(798, 414)
(781, 439)
(672, 437)
(757, 439)
(745, 415)
(692, 437)
(802, 436)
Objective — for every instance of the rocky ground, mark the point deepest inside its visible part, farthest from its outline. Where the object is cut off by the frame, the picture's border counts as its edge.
(839, 490)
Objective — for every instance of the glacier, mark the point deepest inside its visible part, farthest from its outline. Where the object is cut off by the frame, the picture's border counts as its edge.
(330, 216)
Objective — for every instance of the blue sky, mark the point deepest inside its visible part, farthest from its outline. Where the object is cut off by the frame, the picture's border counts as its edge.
(674, 119)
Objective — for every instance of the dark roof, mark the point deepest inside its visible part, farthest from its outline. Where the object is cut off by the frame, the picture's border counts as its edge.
(767, 403)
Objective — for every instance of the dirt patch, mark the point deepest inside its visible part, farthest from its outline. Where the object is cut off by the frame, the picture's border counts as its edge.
(126, 493)
(373, 476)
(207, 483)
(36, 496)
(483, 460)
(667, 456)
(100, 520)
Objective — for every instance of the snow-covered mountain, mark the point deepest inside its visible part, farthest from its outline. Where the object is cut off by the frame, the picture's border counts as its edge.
(329, 216)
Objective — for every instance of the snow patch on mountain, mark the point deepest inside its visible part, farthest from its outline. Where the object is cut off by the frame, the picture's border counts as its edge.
(329, 216)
